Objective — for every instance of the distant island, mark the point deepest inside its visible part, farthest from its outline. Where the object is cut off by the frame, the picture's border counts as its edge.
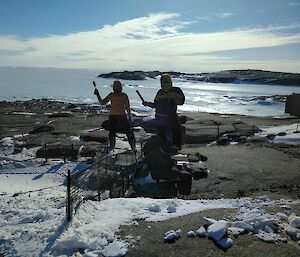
(228, 76)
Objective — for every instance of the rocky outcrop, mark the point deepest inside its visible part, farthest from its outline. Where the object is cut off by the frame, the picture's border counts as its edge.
(137, 75)
(229, 76)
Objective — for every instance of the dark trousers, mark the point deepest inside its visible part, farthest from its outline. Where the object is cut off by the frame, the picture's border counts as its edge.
(175, 128)
(119, 123)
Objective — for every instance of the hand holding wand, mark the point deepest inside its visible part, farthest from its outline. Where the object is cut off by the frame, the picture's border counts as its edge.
(96, 92)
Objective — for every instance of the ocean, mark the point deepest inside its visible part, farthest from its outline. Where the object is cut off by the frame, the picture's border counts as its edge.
(74, 85)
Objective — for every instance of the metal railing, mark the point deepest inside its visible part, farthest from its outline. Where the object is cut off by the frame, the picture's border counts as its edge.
(109, 176)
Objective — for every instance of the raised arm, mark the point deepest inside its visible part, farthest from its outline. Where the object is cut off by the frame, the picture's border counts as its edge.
(149, 104)
(101, 101)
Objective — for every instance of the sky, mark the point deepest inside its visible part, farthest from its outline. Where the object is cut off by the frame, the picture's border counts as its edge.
(177, 35)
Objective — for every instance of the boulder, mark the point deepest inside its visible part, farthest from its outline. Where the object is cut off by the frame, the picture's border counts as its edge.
(196, 157)
(58, 151)
(97, 136)
(42, 129)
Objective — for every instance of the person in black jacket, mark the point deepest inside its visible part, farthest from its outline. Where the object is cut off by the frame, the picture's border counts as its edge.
(165, 104)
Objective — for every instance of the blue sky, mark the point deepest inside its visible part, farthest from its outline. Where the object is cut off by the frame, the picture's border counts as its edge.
(182, 35)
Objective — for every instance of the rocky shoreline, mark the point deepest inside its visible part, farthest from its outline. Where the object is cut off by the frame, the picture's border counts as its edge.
(229, 76)
(57, 123)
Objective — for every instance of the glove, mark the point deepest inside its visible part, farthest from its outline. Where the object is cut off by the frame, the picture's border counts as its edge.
(96, 92)
(145, 103)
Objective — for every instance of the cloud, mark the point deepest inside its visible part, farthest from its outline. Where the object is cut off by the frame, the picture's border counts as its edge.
(214, 16)
(224, 15)
(294, 3)
(157, 41)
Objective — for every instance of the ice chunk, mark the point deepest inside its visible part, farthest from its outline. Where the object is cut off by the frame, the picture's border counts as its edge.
(74, 138)
(268, 229)
(171, 208)
(115, 249)
(172, 235)
(191, 233)
(178, 233)
(225, 243)
(282, 216)
(209, 221)
(217, 230)
(201, 232)
(172, 231)
(263, 224)
(293, 232)
(242, 224)
(268, 237)
(7, 141)
(235, 231)
(263, 198)
(294, 221)
(154, 208)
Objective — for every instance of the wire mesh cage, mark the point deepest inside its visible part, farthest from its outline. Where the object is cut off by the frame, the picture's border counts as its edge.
(108, 176)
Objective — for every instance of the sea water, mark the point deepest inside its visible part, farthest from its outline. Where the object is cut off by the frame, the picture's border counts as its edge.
(74, 85)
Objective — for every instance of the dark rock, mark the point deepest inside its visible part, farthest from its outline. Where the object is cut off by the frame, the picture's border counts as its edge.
(60, 114)
(271, 136)
(197, 157)
(137, 75)
(193, 158)
(58, 151)
(72, 106)
(126, 75)
(281, 134)
(197, 170)
(42, 129)
(97, 136)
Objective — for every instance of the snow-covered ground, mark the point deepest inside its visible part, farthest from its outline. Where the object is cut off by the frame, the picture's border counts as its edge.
(34, 224)
(33, 220)
(287, 134)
